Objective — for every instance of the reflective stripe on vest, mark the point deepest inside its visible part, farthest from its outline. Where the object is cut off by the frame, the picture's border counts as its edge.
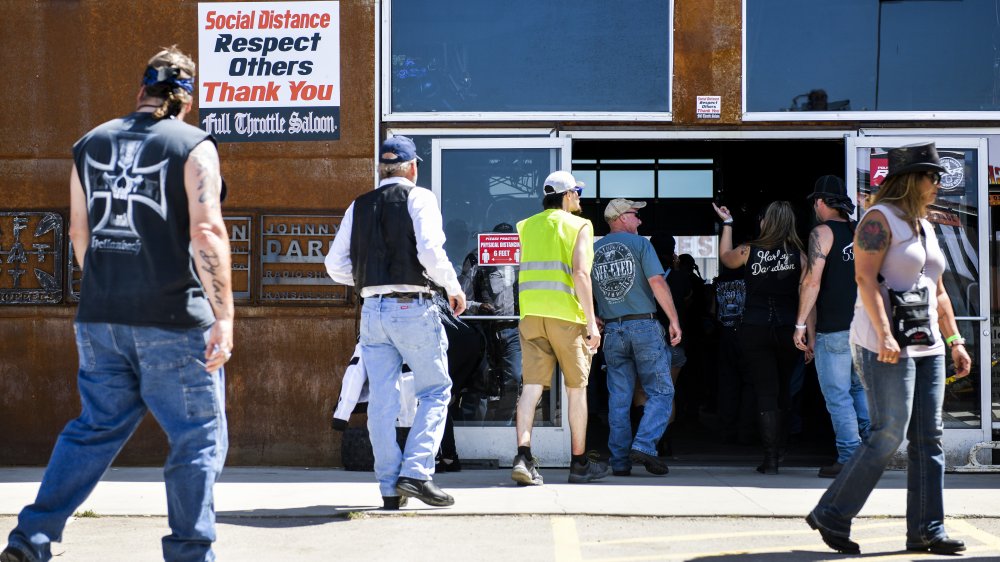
(546, 286)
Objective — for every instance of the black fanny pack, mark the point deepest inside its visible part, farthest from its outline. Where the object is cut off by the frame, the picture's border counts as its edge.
(911, 310)
(911, 317)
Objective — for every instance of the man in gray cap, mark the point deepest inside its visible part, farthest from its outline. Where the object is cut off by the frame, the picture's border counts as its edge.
(826, 307)
(628, 283)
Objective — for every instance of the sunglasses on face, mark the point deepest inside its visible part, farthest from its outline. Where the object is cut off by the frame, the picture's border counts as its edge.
(636, 213)
(578, 190)
(935, 177)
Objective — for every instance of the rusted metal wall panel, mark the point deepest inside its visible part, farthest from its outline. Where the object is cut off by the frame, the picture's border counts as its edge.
(708, 58)
(70, 65)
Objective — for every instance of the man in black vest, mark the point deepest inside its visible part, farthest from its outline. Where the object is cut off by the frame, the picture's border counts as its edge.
(826, 307)
(155, 321)
(390, 246)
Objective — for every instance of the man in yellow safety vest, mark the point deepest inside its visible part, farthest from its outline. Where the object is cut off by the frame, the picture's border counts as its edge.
(558, 324)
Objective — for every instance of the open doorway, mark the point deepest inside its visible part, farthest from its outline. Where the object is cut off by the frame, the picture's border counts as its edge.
(678, 180)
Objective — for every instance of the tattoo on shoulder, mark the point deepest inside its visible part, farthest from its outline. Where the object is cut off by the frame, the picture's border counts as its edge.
(873, 236)
(207, 172)
(815, 249)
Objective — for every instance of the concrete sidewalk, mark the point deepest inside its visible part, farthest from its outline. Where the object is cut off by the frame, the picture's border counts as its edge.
(686, 491)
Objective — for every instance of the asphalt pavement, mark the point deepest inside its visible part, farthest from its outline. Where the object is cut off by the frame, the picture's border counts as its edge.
(694, 513)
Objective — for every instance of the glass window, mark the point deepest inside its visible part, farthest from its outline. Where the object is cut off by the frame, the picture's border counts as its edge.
(860, 55)
(526, 55)
(685, 184)
(482, 189)
(647, 178)
(954, 215)
(628, 183)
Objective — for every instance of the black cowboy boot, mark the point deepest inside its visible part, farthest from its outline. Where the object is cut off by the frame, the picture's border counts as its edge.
(770, 437)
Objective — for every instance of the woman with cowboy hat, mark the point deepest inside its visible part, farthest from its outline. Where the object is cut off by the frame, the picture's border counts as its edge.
(896, 253)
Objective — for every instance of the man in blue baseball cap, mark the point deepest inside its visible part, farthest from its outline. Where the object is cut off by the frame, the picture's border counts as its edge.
(390, 246)
(397, 150)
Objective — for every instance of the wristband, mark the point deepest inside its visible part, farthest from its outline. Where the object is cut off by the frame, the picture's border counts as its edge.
(728, 222)
(800, 326)
(954, 339)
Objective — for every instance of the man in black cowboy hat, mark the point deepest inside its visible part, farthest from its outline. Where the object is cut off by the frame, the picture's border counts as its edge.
(826, 307)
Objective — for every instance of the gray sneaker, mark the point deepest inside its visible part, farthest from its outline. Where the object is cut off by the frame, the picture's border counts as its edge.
(524, 472)
(593, 470)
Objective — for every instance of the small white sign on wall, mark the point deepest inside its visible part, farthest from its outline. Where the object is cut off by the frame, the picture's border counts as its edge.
(708, 107)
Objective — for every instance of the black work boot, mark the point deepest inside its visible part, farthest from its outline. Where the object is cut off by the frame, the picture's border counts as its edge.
(770, 437)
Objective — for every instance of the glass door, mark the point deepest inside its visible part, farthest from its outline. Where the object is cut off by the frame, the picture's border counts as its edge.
(960, 216)
(485, 186)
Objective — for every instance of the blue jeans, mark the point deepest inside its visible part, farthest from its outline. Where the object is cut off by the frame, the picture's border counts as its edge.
(507, 358)
(904, 399)
(393, 331)
(636, 349)
(126, 371)
(843, 391)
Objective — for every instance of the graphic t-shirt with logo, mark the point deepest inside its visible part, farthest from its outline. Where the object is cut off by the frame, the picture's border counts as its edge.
(622, 264)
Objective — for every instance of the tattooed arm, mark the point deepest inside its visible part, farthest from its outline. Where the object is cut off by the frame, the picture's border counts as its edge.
(871, 242)
(79, 227)
(820, 242)
(210, 246)
(731, 258)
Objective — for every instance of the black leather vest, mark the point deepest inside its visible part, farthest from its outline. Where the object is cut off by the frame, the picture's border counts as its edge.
(837, 290)
(383, 242)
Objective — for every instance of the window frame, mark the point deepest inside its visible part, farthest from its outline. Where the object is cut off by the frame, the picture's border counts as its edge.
(946, 115)
(384, 71)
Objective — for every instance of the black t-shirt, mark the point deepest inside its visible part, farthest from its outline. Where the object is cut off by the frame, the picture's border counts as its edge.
(679, 284)
(837, 290)
(138, 268)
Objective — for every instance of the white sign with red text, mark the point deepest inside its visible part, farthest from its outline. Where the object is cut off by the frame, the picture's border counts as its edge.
(269, 71)
(499, 249)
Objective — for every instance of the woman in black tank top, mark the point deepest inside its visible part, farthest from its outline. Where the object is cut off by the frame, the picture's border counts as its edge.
(774, 265)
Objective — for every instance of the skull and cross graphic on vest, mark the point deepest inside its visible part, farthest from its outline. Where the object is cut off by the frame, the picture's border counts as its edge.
(122, 183)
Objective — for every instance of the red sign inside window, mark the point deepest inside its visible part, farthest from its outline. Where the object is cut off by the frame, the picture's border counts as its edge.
(499, 249)
(879, 169)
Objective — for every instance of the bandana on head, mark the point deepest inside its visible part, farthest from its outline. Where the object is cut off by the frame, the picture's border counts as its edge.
(167, 74)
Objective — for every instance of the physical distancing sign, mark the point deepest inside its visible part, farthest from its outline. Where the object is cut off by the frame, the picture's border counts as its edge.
(499, 249)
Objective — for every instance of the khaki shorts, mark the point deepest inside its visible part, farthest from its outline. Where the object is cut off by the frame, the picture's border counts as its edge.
(546, 341)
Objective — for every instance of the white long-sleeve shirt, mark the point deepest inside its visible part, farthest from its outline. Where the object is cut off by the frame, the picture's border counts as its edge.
(429, 230)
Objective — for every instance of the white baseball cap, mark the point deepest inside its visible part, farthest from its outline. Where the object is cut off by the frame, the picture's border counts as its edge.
(561, 181)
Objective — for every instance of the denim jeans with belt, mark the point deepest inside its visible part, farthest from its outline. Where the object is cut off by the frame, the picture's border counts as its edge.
(843, 392)
(904, 399)
(394, 331)
(636, 349)
(126, 371)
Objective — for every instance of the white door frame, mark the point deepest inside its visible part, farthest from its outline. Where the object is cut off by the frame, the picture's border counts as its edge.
(957, 441)
(549, 444)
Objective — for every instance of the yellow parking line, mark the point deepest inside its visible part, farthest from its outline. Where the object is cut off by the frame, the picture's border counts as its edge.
(712, 536)
(565, 540)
